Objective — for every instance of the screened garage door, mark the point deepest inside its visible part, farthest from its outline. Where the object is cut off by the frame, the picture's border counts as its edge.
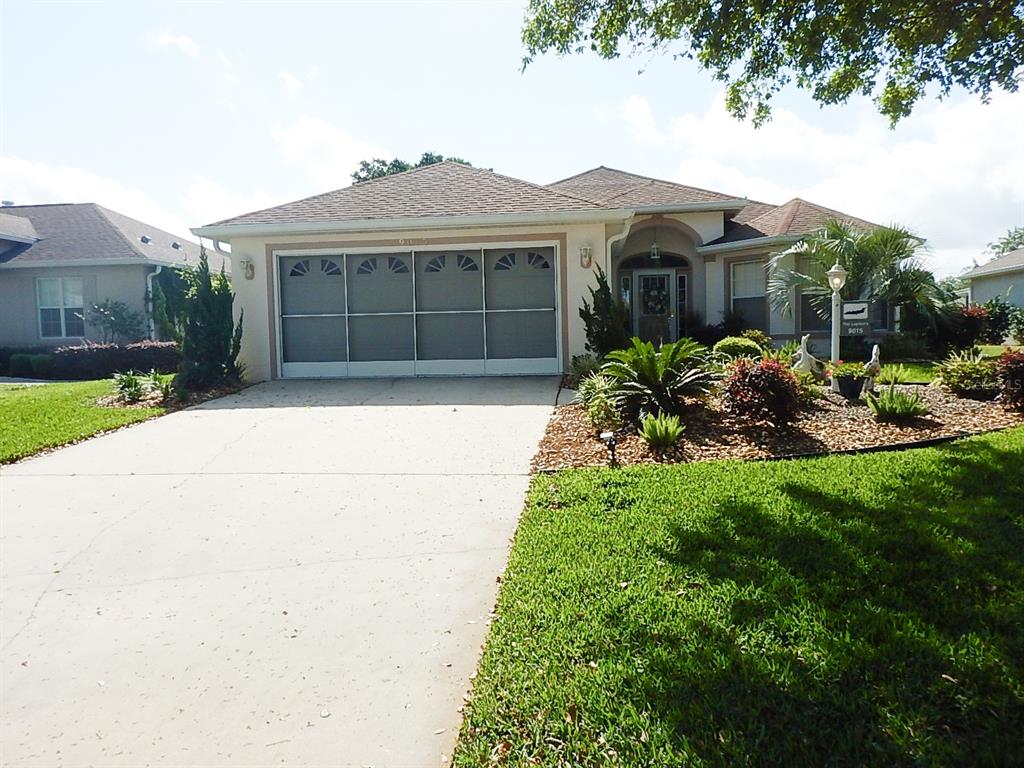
(450, 312)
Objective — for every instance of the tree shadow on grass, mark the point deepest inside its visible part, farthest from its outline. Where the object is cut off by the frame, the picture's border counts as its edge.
(869, 627)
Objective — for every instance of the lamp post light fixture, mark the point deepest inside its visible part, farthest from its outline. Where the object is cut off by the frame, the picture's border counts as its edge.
(836, 281)
(655, 250)
(609, 440)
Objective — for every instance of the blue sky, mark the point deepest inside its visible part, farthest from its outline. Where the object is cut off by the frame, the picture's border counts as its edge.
(180, 114)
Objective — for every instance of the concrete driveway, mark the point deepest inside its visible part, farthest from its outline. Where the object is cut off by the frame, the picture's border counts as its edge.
(300, 574)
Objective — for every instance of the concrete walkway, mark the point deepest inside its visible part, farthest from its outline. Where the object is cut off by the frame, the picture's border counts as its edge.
(300, 574)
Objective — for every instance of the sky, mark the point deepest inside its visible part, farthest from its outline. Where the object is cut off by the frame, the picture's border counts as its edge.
(180, 114)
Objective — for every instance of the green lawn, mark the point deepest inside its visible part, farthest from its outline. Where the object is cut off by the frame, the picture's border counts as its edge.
(41, 416)
(842, 611)
(917, 373)
(995, 350)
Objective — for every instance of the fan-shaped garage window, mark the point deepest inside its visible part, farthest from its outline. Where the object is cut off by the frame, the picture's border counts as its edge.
(368, 266)
(397, 265)
(299, 268)
(505, 263)
(436, 264)
(468, 263)
(537, 261)
(329, 267)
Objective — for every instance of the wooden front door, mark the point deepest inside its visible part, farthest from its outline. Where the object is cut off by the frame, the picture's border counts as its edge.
(654, 307)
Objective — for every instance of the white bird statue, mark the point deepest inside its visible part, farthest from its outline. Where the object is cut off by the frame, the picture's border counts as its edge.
(805, 361)
(872, 369)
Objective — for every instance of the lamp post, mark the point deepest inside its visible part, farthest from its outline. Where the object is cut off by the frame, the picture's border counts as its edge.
(836, 281)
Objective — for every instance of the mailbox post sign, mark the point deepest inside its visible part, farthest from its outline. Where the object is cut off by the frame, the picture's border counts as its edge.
(855, 318)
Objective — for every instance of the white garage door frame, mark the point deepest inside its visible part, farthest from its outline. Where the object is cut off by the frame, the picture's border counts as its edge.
(482, 367)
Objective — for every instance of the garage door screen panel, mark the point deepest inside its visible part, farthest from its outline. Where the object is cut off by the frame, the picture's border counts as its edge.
(520, 335)
(448, 282)
(379, 283)
(314, 339)
(380, 337)
(450, 336)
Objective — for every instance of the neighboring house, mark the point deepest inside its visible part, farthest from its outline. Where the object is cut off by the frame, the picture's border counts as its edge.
(56, 261)
(1002, 277)
(449, 269)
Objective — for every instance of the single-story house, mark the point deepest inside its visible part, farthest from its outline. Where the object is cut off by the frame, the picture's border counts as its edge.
(449, 269)
(1002, 277)
(58, 260)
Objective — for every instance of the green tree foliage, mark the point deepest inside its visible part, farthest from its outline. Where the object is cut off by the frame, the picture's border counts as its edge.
(882, 264)
(1011, 241)
(377, 167)
(116, 321)
(210, 339)
(891, 50)
(170, 294)
(605, 318)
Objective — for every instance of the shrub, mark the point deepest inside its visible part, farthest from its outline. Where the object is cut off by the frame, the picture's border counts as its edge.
(116, 321)
(762, 339)
(20, 365)
(211, 339)
(606, 319)
(584, 365)
(842, 368)
(41, 365)
(1017, 326)
(708, 335)
(595, 385)
(7, 352)
(737, 346)
(968, 373)
(130, 386)
(101, 361)
(904, 346)
(997, 324)
(661, 431)
(1010, 370)
(892, 404)
(764, 390)
(808, 388)
(654, 381)
(970, 326)
(603, 413)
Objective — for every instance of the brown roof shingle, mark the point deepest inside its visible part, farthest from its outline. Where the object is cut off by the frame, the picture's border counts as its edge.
(442, 189)
(792, 219)
(612, 188)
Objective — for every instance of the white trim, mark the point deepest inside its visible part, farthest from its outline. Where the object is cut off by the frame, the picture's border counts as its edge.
(388, 368)
(314, 370)
(585, 216)
(450, 368)
(72, 263)
(993, 272)
(515, 366)
(754, 242)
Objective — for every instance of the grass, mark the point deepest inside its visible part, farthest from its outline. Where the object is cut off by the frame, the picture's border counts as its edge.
(995, 350)
(36, 417)
(917, 373)
(841, 611)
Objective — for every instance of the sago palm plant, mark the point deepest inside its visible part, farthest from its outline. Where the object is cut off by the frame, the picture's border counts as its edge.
(653, 380)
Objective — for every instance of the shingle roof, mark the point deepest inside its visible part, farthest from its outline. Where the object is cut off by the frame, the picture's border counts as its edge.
(1011, 262)
(17, 228)
(611, 188)
(795, 218)
(442, 189)
(90, 232)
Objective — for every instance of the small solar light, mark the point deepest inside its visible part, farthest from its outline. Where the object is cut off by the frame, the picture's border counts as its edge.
(609, 440)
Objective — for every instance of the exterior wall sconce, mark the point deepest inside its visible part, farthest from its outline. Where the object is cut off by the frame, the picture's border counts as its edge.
(248, 268)
(586, 256)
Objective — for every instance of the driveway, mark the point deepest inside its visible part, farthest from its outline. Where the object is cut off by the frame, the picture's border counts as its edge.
(300, 574)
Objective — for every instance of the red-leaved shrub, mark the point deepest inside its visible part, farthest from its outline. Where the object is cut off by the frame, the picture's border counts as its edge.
(765, 390)
(1010, 369)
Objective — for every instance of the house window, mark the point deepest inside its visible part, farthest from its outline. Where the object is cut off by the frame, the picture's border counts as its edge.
(681, 308)
(881, 315)
(810, 320)
(61, 307)
(748, 294)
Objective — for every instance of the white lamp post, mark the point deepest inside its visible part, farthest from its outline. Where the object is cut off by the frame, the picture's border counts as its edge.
(836, 281)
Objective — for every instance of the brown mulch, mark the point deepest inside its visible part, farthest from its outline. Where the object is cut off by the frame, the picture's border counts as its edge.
(831, 424)
(154, 399)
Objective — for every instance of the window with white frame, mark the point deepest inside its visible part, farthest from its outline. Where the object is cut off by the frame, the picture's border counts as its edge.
(748, 288)
(61, 307)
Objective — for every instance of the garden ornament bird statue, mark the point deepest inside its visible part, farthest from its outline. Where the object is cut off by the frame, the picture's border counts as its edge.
(803, 360)
(872, 369)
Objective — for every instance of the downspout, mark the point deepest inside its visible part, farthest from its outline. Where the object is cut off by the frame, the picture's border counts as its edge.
(615, 239)
(149, 301)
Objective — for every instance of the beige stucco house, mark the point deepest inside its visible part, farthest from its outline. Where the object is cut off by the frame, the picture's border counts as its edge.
(57, 260)
(449, 270)
(1001, 277)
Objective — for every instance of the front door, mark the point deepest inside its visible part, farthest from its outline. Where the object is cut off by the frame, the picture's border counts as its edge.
(654, 307)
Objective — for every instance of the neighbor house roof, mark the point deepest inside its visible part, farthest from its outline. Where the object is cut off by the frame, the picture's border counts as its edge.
(1009, 262)
(87, 232)
(442, 189)
(793, 219)
(17, 229)
(611, 188)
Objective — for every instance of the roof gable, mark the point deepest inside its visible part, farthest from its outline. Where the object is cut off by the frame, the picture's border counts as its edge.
(1008, 262)
(441, 189)
(610, 187)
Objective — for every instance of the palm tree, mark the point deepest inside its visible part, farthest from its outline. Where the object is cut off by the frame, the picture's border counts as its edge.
(882, 265)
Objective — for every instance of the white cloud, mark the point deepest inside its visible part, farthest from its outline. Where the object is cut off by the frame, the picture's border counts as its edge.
(327, 153)
(184, 43)
(27, 182)
(952, 171)
(207, 201)
(291, 83)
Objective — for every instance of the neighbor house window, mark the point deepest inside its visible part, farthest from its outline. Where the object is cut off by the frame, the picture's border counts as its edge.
(61, 307)
(748, 294)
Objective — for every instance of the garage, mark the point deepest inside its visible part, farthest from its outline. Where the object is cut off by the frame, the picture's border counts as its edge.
(445, 311)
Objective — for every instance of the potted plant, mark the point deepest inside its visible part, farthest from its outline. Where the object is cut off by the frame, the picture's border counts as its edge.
(850, 379)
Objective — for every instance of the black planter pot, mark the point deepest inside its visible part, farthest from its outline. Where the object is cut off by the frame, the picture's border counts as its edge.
(850, 386)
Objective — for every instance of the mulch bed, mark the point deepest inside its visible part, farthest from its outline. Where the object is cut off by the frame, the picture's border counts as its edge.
(154, 399)
(832, 424)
